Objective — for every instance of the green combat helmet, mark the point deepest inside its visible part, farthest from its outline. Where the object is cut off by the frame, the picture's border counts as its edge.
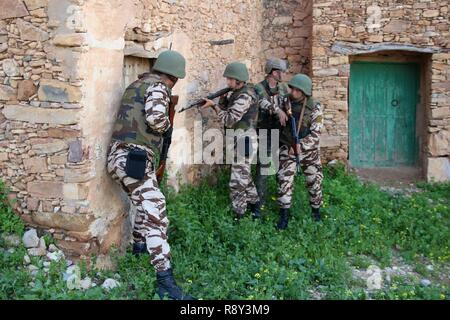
(302, 82)
(236, 70)
(172, 63)
(275, 63)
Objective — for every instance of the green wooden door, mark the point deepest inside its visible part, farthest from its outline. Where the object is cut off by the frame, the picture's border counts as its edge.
(382, 124)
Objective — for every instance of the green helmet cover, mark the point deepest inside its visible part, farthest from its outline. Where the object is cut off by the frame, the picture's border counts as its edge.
(302, 82)
(236, 70)
(172, 63)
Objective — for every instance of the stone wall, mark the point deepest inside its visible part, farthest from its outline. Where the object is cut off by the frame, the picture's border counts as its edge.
(61, 84)
(287, 32)
(345, 28)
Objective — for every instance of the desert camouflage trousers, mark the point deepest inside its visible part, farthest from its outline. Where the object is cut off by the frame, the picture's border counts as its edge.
(242, 188)
(311, 169)
(151, 220)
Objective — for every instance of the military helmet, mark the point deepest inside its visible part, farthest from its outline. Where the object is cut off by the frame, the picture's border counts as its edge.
(172, 63)
(275, 63)
(302, 82)
(236, 70)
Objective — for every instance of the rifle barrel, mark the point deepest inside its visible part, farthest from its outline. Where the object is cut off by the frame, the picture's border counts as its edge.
(212, 96)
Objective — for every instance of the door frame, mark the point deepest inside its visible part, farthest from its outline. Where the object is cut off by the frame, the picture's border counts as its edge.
(423, 60)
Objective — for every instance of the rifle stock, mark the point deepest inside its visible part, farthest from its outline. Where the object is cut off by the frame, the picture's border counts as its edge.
(166, 142)
(199, 103)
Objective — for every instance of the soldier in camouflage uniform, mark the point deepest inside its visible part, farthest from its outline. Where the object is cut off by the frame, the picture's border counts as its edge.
(270, 117)
(142, 122)
(239, 111)
(308, 149)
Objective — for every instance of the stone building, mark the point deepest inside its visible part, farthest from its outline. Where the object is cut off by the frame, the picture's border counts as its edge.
(65, 63)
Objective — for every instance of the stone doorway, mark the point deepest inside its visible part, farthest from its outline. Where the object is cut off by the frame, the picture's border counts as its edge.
(418, 170)
(133, 66)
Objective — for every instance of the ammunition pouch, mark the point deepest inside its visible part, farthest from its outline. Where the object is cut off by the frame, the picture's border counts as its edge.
(136, 163)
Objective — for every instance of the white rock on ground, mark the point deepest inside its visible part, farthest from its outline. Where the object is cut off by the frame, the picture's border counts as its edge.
(110, 284)
(55, 256)
(52, 248)
(86, 283)
(30, 239)
(375, 279)
(41, 250)
(425, 282)
(73, 282)
(26, 259)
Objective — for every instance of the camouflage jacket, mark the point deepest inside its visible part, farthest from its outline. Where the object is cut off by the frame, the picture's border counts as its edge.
(311, 126)
(142, 117)
(268, 106)
(239, 109)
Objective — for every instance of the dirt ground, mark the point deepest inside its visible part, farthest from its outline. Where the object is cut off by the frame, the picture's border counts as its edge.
(392, 179)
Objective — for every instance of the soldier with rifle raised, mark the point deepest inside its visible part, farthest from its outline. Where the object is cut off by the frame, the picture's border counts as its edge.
(144, 121)
(300, 145)
(239, 111)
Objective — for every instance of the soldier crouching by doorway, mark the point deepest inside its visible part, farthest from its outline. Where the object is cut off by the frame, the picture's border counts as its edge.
(239, 111)
(141, 124)
(308, 149)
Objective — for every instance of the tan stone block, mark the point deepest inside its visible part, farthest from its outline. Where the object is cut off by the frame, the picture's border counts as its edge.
(333, 61)
(58, 159)
(71, 222)
(430, 13)
(3, 156)
(63, 133)
(7, 93)
(327, 141)
(438, 169)
(439, 143)
(48, 145)
(397, 26)
(45, 189)
(440, 113)
(58, 91)
(35, 165)
(32, 204)
(12, 9)
(41, 115)
(25, 90)
(376, 38)
(69, 40)
(324, 31)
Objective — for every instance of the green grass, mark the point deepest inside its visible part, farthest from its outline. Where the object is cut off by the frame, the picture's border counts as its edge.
(215, 258)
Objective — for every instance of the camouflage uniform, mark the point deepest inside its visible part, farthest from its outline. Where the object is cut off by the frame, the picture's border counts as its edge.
(141, 126)
(309, 155)
(268, 107)
(240, 111)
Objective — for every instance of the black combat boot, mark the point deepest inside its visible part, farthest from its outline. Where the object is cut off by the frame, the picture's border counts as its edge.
(316, 214)
(255, 209)
(284, 219)
(167, 287)
(237, 216)
(139, 248)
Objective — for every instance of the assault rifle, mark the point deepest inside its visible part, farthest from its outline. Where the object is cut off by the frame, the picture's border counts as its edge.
(199, 103)
(295, 128)
(167, 140)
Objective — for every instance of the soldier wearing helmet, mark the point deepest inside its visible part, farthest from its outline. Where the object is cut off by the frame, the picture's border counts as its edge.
(308, 149)
(239, 111)
(141, 123)
(270, 117)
